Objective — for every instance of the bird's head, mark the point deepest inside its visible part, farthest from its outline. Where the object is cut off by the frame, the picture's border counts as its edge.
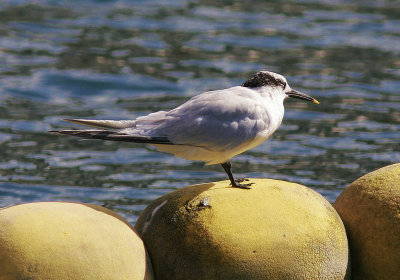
(276, 82)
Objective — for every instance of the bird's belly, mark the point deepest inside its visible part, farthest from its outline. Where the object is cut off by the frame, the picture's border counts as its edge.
(195, 153)
(207, 155)
(247, 146)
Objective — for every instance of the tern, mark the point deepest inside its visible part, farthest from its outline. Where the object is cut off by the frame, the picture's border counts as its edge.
(212, 127)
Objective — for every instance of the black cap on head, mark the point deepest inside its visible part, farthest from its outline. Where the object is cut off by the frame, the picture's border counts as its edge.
(264, 78)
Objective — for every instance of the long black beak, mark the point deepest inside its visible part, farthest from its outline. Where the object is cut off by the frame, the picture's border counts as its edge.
(299, 95)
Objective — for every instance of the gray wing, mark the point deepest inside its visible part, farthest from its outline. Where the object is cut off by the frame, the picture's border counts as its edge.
(216, 120)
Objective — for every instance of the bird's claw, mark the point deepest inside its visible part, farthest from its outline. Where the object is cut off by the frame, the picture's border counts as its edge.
(237, 184)
(241, 180)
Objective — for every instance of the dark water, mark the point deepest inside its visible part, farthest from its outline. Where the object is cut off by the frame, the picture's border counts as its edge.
(122, 59)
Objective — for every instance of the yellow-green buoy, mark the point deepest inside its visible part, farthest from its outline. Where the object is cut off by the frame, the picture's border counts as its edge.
(275, 230)
(370, 210)
(57, 240)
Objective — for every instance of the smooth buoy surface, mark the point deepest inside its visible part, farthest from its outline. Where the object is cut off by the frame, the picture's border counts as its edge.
(275, 230)
(370, 210)
(57, 240)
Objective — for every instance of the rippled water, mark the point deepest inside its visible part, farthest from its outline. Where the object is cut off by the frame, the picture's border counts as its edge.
(122, 59)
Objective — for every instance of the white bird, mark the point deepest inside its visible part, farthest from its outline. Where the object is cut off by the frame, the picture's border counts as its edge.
(212, 127)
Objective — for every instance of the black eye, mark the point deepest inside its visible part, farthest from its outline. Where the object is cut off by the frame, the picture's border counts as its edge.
(281, 83)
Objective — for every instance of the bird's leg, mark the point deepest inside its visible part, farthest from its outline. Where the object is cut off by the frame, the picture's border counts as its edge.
(235, 183)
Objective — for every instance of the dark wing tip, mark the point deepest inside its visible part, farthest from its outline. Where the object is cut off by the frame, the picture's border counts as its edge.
(113, 136)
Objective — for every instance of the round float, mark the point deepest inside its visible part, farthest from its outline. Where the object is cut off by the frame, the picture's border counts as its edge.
(370, 210)
(57, 240)
(275, 230)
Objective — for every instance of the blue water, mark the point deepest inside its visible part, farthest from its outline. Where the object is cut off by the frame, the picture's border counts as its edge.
(122, 59)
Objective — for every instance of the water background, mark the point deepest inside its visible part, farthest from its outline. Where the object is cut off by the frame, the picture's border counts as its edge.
(123, 59)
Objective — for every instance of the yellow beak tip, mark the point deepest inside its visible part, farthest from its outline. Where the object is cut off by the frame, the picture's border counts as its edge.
(315, 101)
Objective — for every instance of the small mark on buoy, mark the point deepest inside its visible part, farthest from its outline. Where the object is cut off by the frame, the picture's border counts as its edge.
(205, 202)
(198, 204)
